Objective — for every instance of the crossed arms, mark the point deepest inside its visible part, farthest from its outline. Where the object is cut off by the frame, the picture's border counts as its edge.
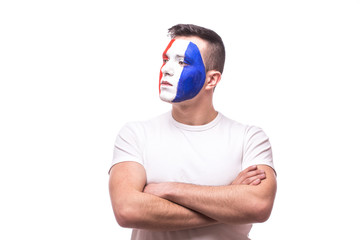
(175, 206)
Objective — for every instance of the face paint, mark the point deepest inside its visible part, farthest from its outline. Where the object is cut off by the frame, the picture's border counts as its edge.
(183, 73)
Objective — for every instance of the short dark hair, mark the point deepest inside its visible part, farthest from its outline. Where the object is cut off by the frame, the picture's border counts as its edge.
(214, 56)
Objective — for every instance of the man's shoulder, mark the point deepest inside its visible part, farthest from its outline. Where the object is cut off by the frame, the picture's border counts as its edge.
(231, 123)
(235, 125)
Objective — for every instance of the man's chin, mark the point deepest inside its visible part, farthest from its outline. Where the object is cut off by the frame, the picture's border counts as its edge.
(166, 98)
(169, 98)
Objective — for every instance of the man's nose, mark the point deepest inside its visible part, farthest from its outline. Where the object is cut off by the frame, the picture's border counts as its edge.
(167, 69)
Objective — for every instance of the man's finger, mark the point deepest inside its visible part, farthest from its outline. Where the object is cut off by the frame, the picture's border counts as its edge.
(249, 177)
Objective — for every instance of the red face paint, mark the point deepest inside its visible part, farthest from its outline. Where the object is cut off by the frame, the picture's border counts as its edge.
(164, 58)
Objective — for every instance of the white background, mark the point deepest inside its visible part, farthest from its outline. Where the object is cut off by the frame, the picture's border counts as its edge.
(73, 72)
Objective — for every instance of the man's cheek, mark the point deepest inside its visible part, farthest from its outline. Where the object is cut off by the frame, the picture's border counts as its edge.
(160, 77)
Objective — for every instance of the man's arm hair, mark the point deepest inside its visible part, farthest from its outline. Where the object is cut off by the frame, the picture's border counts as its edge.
(135, 209)
(233, 204)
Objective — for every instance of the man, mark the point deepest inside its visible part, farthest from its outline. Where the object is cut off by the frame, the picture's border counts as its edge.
(191, 173)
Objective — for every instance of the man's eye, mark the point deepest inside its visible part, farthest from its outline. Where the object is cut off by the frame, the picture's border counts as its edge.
(182, 63)
(165, 60)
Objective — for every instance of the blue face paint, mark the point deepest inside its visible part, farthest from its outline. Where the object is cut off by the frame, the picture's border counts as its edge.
(192, 78)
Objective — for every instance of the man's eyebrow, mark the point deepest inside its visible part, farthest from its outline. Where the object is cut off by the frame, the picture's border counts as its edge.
(165, 55)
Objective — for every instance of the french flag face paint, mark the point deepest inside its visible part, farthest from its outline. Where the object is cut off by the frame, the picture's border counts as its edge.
(182, 75)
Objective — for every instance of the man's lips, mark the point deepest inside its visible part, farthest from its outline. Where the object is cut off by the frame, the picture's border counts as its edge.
(166, 83)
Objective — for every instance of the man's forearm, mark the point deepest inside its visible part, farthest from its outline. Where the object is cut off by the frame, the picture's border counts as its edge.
(147, 211)
(135, 209)
(227, 204)
(220, 203)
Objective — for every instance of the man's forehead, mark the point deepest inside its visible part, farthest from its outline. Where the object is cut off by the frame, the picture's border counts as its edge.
(178, 46)
(200, 43)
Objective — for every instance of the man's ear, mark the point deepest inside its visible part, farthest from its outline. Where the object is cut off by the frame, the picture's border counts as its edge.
(213, 77)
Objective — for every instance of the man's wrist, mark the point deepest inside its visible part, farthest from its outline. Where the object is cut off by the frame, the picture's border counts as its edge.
(170, 190)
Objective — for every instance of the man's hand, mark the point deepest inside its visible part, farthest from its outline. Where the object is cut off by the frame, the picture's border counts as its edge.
(158, 189)
(250, 176)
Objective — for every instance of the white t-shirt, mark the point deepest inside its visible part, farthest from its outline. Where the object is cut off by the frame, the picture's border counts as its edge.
(212, 154)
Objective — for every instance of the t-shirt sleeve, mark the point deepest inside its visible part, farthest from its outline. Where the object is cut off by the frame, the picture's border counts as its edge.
(127, 145)
(257, 148)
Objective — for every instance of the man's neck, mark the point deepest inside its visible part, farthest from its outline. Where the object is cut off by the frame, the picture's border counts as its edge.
(191, 114)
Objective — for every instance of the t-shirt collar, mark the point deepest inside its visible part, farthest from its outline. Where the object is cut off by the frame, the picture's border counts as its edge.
(196, 128)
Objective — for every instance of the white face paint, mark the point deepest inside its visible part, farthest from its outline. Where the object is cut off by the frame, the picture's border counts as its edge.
(183, 72)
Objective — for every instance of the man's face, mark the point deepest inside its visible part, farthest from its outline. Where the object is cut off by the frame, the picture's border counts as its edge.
(182, 75)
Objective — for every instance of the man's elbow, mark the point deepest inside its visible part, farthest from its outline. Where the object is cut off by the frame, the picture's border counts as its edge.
(262, 212)
(256, 212)
(126, 216)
